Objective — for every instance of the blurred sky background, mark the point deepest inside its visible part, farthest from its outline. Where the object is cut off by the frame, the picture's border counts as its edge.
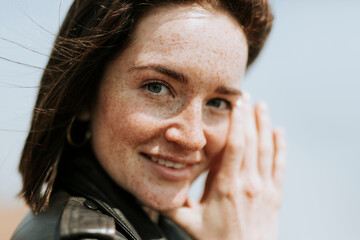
(308, 73)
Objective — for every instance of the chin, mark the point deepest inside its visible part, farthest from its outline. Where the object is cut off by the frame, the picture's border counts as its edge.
(167, 205)
(164, 202)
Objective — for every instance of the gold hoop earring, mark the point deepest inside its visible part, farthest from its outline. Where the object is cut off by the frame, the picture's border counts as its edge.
(70, 130)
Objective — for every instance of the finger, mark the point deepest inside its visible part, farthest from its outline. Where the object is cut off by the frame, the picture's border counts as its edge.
(265, 140)
(279, 155)
(234, 150)
(187, 217)
(250, 157)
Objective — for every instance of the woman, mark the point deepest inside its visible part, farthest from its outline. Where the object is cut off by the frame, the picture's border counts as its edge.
(138, 99)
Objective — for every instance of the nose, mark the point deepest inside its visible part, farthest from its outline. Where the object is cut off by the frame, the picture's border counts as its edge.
(186, 129)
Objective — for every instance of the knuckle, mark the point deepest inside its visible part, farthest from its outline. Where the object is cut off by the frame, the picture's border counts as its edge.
(235, 145)
(280, 163)
(228, 188)
(282, 147)
(225, 190)
(276, 199)
(281, 144)
(253, 187)
(265, 122)
(278, 180)
(273, 198)
(265, 150)
(277, 203)
(252, 142)
(281, 166)
(251, 135)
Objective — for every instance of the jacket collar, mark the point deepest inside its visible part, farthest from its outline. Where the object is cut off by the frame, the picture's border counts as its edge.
(80, 174)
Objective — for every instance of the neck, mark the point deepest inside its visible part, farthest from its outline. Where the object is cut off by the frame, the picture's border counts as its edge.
(153, 214)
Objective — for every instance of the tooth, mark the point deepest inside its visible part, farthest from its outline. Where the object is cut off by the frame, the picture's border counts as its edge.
(169, 164)
(178, 165)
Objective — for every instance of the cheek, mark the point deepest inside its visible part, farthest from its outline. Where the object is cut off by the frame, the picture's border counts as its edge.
(216, 136)
(126, 120)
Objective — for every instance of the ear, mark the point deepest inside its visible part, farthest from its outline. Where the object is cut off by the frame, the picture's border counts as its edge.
(84, 114)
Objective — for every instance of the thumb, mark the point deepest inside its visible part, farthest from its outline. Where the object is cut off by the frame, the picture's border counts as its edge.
(187, 217)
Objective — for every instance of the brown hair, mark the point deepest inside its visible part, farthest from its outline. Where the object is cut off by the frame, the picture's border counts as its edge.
(92, 33)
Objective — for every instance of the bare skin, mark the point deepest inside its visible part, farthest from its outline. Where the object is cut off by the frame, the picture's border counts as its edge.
(242, 196)
(167, 110)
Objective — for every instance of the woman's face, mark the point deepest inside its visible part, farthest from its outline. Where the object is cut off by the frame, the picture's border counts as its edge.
(163, 108)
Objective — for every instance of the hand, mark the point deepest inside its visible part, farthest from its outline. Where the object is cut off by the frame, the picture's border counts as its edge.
(242, 194)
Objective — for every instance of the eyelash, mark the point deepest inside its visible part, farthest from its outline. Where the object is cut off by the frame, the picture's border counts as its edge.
(228, 104)
(168, 86)
(165, 84)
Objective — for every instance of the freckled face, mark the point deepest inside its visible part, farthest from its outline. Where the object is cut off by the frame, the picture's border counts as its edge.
(163, 107)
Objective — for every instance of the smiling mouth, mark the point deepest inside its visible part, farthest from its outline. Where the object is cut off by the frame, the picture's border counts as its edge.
(166, 163)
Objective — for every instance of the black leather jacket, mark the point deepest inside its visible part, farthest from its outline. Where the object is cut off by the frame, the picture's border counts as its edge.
(87, 204)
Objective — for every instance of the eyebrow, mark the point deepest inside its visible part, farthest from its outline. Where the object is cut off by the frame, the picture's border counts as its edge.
(181, 78)
(228, 91)
(161, 69)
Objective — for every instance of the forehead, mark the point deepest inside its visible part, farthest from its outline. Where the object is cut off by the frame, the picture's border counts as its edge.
(200, 42)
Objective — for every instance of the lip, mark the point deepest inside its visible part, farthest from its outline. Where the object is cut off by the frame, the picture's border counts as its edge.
(168, 173)
(171, 158)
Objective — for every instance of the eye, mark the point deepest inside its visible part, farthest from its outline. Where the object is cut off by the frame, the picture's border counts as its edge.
(157, 87)
(218, 103)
